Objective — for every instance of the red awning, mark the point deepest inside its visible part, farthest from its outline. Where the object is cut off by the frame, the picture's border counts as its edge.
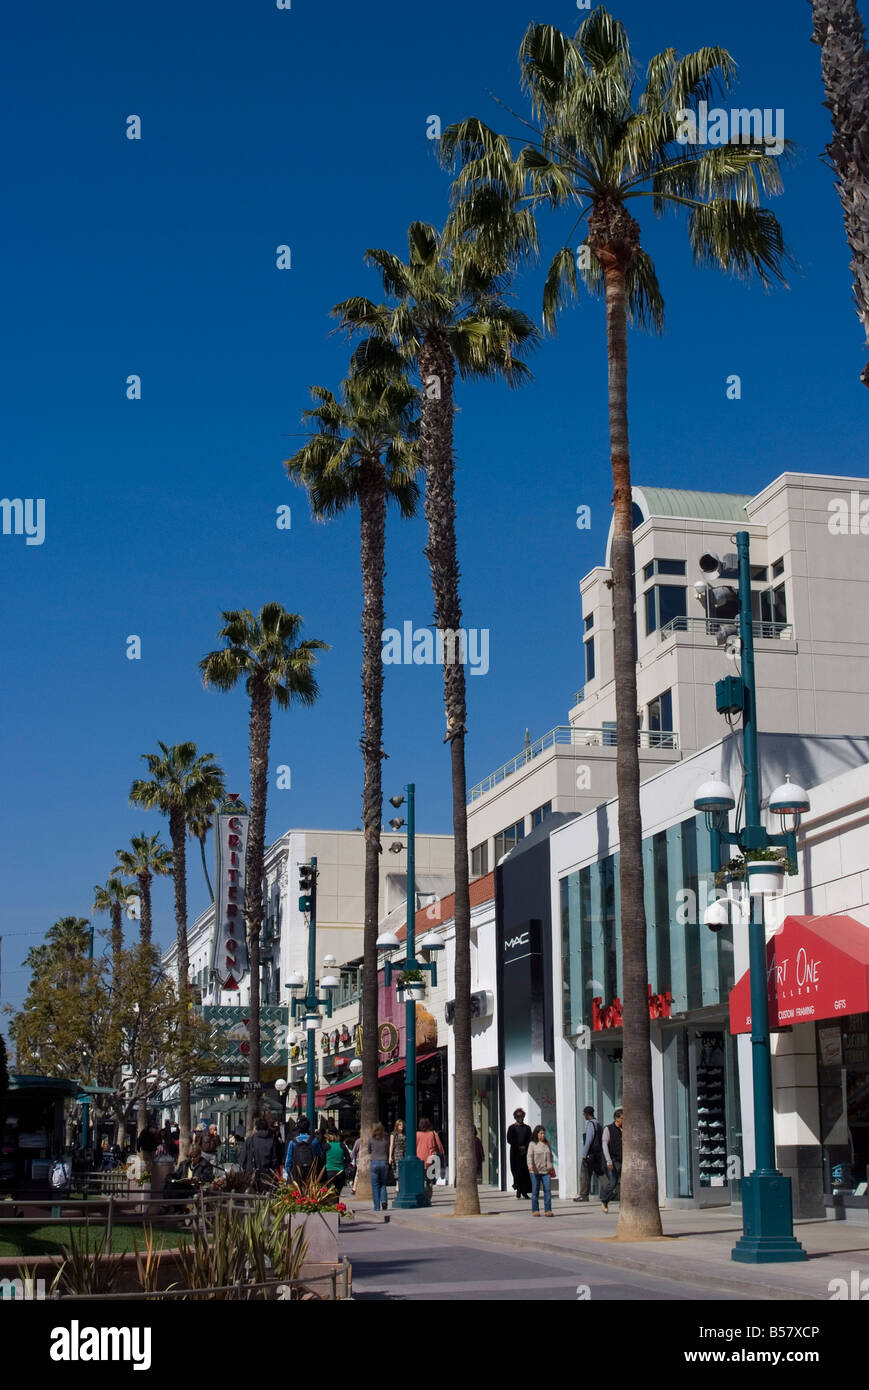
(321, 1098)
(817, 967)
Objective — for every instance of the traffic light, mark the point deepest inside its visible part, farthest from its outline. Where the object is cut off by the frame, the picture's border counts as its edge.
(306, 886)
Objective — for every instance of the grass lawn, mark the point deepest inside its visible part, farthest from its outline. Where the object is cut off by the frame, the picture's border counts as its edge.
(47, 1240)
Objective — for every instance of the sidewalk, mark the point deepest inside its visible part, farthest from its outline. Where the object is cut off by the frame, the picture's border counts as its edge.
(696, 1249)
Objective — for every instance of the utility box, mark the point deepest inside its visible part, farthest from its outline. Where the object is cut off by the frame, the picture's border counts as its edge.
(730, 695)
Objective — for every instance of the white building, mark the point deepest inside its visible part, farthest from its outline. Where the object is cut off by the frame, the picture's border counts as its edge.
(811, 599)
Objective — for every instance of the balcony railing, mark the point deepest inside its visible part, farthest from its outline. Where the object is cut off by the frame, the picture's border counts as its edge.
(712, 626)
(566, 734)
(579, 696)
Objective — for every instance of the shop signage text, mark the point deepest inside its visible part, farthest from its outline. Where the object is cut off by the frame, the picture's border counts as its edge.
(610, 1015)
(229, 957)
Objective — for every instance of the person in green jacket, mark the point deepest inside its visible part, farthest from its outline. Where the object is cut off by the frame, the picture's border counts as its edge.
(337, 1160)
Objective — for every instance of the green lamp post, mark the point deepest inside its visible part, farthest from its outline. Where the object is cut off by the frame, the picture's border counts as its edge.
(768, 1236)
(308, 1007)
(412, 1190)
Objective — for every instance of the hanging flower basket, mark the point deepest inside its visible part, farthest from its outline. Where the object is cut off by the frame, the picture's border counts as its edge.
(764, 876)
(412, 992)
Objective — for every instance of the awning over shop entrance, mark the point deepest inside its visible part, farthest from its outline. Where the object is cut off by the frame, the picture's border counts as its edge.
(817, 967)
(321, 1098)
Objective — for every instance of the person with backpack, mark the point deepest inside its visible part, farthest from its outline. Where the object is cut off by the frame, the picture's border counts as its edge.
(304, 1154)
(592, 1153)
(611, 1142)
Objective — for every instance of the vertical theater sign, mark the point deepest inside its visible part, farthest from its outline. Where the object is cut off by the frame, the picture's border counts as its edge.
(229, 946)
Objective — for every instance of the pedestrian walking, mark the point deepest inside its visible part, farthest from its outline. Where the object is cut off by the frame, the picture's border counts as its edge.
(397, 1145)
(519, 1137)
(260, 1157)
(592, 1153)
(378, 1148)
(430, 1150)
(354, 1161)
(304, 1154)
(541, 1170)
(611, 1142)
(337, 1160)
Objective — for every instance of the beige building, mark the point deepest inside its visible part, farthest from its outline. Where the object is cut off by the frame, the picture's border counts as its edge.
(810, 568)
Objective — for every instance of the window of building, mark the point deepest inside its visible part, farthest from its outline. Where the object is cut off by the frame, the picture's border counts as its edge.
(609, 732)
(759, 573)
(588, 622)
(480, 860)
(778, 567)
(538, 816)
(664, 602)
(660, 712)
(769, 605)
(507, 839)
(663, 567)
(589, 660)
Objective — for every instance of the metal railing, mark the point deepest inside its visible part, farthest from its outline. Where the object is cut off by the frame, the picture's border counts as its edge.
(571, 736)
(712, 626)
(579, 696)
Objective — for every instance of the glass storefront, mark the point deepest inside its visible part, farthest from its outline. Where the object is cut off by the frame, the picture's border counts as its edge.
(486, 1109)
(843, 1082)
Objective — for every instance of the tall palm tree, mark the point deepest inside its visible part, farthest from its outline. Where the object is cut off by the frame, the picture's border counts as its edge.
(448, 316)
(198, 826)
(593, 149)
(264, 652)
(148, 858)
(180, 777)
(364, 453)
(67, 939)
(113, 899)
(838, 29)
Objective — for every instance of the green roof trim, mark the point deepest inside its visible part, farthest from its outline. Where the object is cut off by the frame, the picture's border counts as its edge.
(704, 506)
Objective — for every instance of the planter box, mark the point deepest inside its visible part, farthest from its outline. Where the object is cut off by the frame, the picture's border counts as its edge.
(412, 992)
(321, 1232)
(764, 876)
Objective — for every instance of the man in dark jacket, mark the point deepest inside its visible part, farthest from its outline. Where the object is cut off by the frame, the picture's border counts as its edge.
(612, 1151)
(260, 1155)
(592, 1153)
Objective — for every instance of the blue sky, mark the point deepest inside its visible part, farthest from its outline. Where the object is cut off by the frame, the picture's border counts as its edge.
(157, 257)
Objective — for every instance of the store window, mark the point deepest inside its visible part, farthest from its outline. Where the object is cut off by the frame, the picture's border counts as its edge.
(843, 1080)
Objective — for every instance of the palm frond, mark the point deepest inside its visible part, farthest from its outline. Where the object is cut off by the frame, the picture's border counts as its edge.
(743, 239)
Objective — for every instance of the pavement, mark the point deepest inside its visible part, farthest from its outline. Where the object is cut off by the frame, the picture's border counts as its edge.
(695, 1251)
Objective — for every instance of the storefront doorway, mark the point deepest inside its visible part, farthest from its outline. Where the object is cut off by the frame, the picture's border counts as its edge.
(843, 1081)
(486, 1111)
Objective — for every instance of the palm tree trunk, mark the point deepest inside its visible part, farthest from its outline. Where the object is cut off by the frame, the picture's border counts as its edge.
(438, 374)
(372, 509)
(145, 904)
(178, 835)
(201, 839)
(639, 1216)
(260, 736)
(838, 29)
(117, 939)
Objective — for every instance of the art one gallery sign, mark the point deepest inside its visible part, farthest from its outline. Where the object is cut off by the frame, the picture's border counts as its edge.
(817, 967)
(229, 947)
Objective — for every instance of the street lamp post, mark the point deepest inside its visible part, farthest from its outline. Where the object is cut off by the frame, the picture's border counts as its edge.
(310, 1005)
(768, 1235)
(411, 1170)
